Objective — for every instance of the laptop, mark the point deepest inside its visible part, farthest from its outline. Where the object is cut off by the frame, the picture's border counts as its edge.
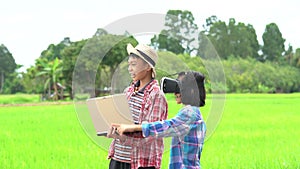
(107, 110)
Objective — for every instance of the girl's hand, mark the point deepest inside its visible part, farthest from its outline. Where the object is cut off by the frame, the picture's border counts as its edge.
(124, 128)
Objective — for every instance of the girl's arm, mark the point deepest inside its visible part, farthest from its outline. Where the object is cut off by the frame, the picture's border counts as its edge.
(177, 126)
(127, 128)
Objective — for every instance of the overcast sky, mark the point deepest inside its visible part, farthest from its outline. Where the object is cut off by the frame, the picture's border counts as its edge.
(28, 27)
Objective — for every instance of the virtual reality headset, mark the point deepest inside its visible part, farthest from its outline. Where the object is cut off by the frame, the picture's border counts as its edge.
(169, 85)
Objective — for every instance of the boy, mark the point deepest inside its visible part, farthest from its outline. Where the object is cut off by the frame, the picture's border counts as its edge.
(148, 104)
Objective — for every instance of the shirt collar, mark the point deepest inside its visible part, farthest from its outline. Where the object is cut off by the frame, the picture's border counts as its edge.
(146, 87)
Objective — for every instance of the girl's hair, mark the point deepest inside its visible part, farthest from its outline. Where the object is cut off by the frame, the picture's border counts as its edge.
(192, 88)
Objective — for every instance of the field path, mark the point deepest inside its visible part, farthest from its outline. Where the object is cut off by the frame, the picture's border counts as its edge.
(36, 104)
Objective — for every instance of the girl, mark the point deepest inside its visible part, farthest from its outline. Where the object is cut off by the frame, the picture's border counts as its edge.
(187, 128)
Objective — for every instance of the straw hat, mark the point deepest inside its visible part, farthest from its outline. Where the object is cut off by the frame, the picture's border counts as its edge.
(145, 52)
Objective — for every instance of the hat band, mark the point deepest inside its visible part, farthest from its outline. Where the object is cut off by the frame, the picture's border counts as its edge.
(147, 58)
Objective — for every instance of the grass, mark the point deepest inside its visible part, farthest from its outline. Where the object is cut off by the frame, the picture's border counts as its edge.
(19, 98)
(45, 137)
(256, 131)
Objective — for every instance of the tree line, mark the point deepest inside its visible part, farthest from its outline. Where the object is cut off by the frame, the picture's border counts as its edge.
(249, 66)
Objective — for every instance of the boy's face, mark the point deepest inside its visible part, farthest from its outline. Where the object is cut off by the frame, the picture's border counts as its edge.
(137, 68)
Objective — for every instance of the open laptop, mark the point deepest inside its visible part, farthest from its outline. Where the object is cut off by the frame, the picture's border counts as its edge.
(107, 110)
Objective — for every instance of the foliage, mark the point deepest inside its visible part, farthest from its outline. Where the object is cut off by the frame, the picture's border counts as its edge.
(296, 59)
(242, 75)
(293, 59)
(33, 84)
(98, 60)
(69, 58)
(179, 33)
(54, 51)
(7, 62)
(169, 64)
(13, 83)
(7, 67)
(239, 40)
(163, 42)
(273, 47)
(250, 75)
(51, 72)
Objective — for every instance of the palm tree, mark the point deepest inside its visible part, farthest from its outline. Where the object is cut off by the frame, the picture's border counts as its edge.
(51, 71)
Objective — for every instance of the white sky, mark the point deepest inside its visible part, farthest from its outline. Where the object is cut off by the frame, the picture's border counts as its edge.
(28, 27)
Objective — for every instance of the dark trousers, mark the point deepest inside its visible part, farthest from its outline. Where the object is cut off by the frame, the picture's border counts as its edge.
(121, 165)
(118, 165)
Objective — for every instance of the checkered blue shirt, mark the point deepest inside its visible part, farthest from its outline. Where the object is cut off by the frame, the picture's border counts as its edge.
(188, 131)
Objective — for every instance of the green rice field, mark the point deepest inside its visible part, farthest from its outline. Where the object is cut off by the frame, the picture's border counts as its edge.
(257, 131)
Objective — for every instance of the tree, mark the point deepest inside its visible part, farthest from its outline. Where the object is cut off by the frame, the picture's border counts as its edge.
(100, 57)
(118, 52)
(162, 41)
(7, 65)
(179, 33)
(69, 57)
(217, 32)
(100, 32)
(296, 59)
(234, 39)
(14, 83)
(54, 51)
(32, 83)
(243, 39)
(289, 55)
(94, 59)
(52, 72)
(273, 47)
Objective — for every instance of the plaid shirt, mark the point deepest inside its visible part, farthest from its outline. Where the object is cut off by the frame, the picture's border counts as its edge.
(146, 152)
(188, 131)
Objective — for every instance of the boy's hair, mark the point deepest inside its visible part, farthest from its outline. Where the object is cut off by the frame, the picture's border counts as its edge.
(192, 89)
(137, 57)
